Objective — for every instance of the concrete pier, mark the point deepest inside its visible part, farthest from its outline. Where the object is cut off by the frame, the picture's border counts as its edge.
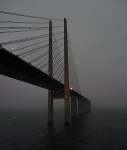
(74, 107)
(67, 114)
(50, 107)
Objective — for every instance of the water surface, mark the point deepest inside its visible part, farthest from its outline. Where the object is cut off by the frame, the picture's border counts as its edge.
(100, 129)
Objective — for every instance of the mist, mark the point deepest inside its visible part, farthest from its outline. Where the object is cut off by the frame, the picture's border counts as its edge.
(97, 31)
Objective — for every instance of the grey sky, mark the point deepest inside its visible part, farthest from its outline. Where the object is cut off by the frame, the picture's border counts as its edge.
(97, 30)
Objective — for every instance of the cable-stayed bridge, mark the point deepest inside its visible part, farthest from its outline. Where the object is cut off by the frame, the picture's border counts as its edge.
(38, 51)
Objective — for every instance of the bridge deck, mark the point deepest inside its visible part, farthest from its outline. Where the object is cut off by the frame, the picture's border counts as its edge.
(14, 67)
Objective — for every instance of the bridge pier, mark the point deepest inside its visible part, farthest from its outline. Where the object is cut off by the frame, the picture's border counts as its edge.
(50, 107)
(74, 107)
(67, 114)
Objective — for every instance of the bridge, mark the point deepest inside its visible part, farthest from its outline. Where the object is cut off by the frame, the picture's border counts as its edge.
(46, 66)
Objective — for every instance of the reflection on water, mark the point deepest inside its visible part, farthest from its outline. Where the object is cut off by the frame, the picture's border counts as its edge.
(99, 129)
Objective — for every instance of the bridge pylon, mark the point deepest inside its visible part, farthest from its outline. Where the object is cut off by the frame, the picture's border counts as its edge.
(67, 114)
(50, 72)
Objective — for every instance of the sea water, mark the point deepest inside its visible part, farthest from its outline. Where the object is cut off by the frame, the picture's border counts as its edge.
(100, 129)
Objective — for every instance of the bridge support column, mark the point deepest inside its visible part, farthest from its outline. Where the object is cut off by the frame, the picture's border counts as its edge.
(50, 92)
(50, 107)
(74, 109)
(66, 78)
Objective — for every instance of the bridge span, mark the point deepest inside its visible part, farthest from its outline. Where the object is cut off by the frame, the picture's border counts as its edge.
(13, 66)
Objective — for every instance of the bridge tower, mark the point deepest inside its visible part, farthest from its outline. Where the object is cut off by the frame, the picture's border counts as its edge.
(75, 109)
(50, 92)
(66, 78)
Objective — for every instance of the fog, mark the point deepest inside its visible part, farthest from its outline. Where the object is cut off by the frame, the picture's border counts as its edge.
(97, 31)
